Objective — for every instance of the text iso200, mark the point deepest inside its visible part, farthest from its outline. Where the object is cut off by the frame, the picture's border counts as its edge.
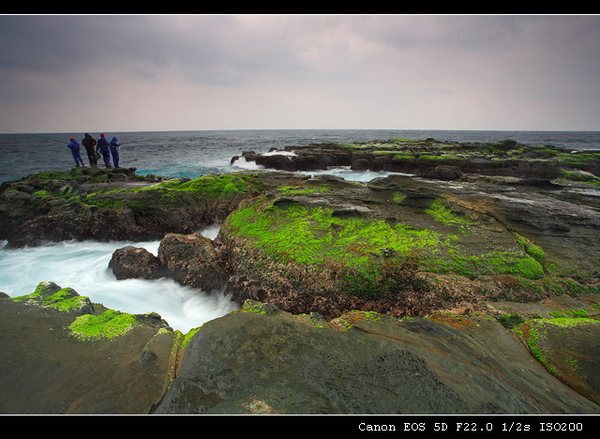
(560, 426)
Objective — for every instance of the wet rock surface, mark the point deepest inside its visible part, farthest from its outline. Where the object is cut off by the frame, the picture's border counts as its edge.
(269, 361)
(262, 360)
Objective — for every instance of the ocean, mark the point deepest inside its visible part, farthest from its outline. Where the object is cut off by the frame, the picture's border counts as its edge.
(84, 265)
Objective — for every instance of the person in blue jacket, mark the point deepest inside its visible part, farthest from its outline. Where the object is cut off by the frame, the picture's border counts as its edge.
(114, 151)
(102, 146)
(76, 151)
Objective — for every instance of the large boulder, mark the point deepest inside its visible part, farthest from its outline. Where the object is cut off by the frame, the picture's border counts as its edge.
(191, 260)
(137, 263)
(263, 360)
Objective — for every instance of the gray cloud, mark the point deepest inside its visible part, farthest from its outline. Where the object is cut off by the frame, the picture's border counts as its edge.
(287, 71)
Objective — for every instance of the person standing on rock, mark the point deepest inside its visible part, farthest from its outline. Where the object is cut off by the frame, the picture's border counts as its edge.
(75, 150)
(104, 150)
(114, 151)
(89, 142)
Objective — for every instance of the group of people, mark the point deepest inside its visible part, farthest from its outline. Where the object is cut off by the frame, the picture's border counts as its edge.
(103, 148)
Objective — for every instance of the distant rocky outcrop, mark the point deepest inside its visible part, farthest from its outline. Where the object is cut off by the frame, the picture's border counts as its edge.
(435, 159)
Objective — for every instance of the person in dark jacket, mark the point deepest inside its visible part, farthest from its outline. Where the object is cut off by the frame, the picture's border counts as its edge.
(89, 142)
(114, 151)
(104, 149)
(75, 150)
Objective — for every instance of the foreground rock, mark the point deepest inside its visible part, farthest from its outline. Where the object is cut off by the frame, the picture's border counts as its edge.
(269, 361)
(57, 357)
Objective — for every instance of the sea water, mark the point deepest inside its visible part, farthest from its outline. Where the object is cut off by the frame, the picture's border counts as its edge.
(83, 266)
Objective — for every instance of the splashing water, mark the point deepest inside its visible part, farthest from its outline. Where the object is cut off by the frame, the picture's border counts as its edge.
(83, 266)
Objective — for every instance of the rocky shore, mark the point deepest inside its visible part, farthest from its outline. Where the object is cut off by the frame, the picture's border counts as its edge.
(466, 282)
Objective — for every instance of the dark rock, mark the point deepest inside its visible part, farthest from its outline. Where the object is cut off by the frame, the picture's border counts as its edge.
(191, 260)
(445, 173)
(276, 161)
(259, 362)
(132, 262)
(360, 164)
(47, 370)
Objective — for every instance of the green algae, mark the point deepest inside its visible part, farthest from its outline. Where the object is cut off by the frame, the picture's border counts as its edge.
(441, 213)
(531, 248)
(302, 190)
(532, 329)
(37, 295)
(315, 236)
(66, 299)
(109, 324)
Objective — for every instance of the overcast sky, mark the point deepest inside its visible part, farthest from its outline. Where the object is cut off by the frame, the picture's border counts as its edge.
(208, 72)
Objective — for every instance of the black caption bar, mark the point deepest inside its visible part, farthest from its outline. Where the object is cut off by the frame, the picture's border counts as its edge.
(322, 425)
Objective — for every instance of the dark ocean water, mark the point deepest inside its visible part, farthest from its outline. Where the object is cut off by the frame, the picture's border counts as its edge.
(195, 153)
(83, 265)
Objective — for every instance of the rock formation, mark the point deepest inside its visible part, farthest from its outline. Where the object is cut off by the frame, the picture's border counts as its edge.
(457, 285)
(262, 360)
(58, 358)
(436, 159)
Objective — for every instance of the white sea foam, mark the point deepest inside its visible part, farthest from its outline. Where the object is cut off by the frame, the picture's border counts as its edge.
(285, 153)
(242, 164)
(83, 266)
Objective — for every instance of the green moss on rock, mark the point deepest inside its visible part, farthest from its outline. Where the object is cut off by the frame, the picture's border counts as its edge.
(108, 325)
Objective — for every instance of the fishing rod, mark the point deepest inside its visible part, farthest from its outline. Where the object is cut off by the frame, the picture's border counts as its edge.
(34, 135)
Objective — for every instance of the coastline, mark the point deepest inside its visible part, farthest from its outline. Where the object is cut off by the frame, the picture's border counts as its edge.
(419, 221)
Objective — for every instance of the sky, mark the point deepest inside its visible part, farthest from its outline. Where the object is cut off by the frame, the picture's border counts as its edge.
(62, 73)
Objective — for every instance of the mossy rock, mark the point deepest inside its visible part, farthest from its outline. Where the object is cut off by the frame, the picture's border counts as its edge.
(568, 349)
